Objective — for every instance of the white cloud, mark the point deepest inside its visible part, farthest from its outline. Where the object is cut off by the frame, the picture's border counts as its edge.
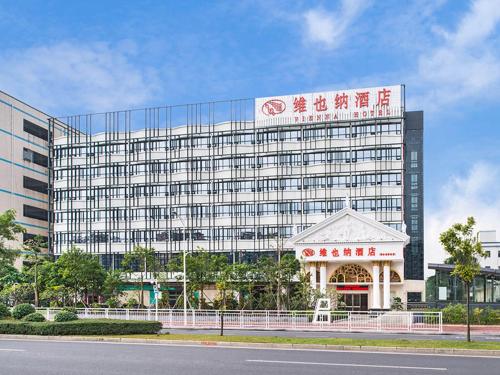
(329, 29)
(476, 194)
(467, 63)
(75, 77)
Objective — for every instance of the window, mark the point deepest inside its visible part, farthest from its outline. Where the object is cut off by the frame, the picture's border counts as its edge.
(35, 212)
(488, 254)
(35, 185)
(414, 159)
(35, 157)
(414, 181)
(414, 297)
(414, 202)
(35, 130)
(29, 236)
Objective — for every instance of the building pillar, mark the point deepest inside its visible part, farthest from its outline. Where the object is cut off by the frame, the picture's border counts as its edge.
(376, 286)
(322, 278)
(312, 273)
(387, 285)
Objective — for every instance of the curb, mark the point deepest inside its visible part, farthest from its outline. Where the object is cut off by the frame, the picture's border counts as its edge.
(381, 349)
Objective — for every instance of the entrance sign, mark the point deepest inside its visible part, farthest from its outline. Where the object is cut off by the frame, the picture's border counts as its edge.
(354, 104)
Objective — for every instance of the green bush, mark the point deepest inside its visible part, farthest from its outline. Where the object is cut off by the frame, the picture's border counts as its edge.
(457, 314)
(65, 316)
(80, 327)
(454, 314)
(70, 309)
(4, 311)
(34, 317)
(20, 311)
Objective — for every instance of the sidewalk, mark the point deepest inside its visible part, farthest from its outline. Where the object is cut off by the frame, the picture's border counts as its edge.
(462, 329)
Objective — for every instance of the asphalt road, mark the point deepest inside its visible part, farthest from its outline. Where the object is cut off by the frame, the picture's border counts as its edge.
(352, 335)
(91, 358)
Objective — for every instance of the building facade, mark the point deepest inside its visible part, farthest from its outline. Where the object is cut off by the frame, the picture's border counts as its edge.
(238, 177)
(24, 172)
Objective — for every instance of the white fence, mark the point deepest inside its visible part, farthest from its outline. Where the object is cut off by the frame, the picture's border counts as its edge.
(391, 321)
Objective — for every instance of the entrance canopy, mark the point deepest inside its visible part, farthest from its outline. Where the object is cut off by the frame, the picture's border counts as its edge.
(349, 236)
(353, 253)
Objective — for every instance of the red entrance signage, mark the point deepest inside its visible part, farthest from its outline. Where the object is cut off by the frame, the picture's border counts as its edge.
(352, 287)
(346, 252)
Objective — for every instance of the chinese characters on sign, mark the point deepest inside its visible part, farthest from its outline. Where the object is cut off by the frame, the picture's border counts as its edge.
(345, 252)
(354, 104)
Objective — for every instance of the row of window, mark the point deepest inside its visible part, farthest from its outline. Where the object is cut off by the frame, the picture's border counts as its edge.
(260, 137)
(223, 187)
(226, 210)
(353, 156)
(175, 235)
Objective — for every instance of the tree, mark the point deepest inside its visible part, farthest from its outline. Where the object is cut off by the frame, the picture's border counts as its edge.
(81, 273)
(140, 259)
(460, 242)
(201, 270)
(34, 248)
(112, 283)
(223, 283)
(8, 231)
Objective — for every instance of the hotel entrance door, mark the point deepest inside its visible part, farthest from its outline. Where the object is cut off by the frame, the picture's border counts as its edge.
(355, 302)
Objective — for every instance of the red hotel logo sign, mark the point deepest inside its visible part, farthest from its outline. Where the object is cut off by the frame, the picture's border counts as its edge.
(308, 252)
(363, 103)
(273, 107)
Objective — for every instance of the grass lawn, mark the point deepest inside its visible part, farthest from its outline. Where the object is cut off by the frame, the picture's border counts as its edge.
(445, 344)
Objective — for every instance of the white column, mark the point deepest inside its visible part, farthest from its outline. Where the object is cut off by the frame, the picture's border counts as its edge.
(376, 286)
(387, 285)
(322, 278)
(312, 272)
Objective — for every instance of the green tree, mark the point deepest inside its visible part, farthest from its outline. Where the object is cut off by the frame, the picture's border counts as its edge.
(33, 248)
(201, 270)
(224, 284)
(8, 232)
(140, 259)
(460, 242)
(81, 273)
(112, 284)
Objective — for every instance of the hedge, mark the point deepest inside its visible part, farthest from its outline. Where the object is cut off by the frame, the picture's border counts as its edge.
(80, 327)
(34, 317)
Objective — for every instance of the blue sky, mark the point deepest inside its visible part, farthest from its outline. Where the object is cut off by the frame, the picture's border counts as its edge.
(77, 57)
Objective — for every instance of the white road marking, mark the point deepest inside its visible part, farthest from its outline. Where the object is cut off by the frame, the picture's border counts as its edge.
(209, 346)
(12, 350)
(349, 365)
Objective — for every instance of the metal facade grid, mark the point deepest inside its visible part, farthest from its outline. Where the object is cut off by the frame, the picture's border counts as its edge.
(202, 135)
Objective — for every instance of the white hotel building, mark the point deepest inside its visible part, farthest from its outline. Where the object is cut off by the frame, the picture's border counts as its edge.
(243, 177)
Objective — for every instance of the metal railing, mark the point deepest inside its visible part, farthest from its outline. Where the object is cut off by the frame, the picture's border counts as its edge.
(347, 321)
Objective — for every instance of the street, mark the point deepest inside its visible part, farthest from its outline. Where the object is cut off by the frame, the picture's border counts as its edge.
(56, 358)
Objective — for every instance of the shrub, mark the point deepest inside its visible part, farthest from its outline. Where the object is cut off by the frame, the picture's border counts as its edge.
(4, 311)
(112, 302)
(65, 316)
(454, 314)
(20, 311)
(81, 327)
(34, 317)
(132, 303)
(70, 309)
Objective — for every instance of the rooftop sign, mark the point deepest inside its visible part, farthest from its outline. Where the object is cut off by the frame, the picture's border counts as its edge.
(355, 104)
